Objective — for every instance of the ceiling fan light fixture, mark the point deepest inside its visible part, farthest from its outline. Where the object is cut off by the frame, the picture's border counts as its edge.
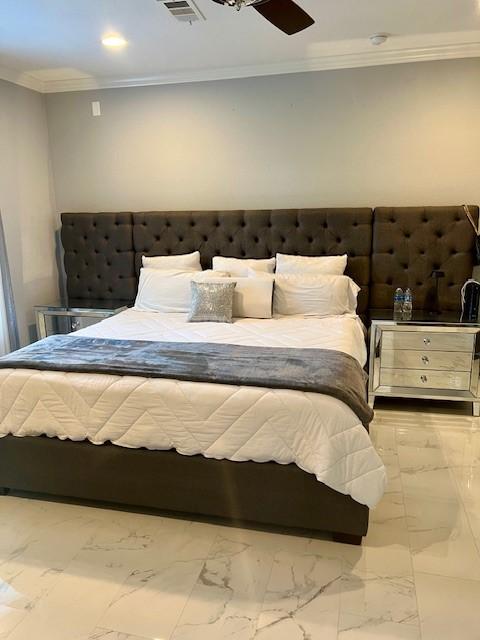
(238, 4)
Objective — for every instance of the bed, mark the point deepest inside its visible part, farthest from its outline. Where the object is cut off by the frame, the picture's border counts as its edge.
(118, 453)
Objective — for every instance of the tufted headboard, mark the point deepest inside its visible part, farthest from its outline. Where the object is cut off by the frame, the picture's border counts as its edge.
(103, 251)
(98, 255)
(387, 248)
(260, 234)
(409, 243)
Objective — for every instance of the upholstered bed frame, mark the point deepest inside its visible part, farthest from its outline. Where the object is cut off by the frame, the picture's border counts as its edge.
(387, 247)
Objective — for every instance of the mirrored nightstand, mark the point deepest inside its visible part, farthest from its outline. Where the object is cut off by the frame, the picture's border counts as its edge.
(70, 315)
(429, 356)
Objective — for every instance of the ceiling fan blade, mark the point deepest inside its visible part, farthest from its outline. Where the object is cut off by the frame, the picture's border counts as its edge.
(285, 15)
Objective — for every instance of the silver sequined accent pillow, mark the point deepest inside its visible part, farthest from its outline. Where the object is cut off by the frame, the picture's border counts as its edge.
(211, 302)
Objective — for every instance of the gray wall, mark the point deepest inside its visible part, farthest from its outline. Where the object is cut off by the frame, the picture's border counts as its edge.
(26, 200)
(399, 135)
(405, 134)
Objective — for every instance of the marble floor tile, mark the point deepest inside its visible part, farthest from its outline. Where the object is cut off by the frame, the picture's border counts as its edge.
(468, 483)
(388, 532)
(467, 478)
(441, 539)
(9, 619)
(152, 597)
(462, 447)
(380, 584)
(392, 466)
(227, 596)
(129, 539)
(448, 607)
(442, 494)
(309, 623)
(352, 627)
(302, 598)
(383, 438)
(368, 595)
(426, 472)
(473, 516)
(421, 437)
(384, 552)
(31, 569)
(74, 605)
(107, 634)
(269, 541)
(390, 510)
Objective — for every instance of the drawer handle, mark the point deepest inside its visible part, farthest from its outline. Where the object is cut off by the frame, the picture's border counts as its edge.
(424, 378)
(425, 359)
(426, 341)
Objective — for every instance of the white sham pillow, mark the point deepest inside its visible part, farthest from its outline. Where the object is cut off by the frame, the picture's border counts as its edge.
(252, 297)
(240, 266)
(207, 274)
(324, 265)
(314, 295)
(164, 290)
(182, 261)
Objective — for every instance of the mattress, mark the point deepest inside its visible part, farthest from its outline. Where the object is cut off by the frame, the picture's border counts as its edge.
(317, 432)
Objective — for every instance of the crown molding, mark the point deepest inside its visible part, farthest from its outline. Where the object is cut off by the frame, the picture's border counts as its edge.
(321, 63)
(350, 60)
(22, 79)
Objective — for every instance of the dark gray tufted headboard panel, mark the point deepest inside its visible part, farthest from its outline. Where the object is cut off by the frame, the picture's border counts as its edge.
(99, 257)
(103, 250)
(410, 242)
(260, 234)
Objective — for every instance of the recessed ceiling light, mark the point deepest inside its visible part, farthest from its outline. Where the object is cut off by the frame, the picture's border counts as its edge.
(114, 40)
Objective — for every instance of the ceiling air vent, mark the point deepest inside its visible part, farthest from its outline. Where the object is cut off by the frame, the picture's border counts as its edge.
(183, 10)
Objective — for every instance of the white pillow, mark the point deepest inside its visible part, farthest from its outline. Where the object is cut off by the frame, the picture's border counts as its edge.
(240, 266)
(252, 297)
(314, 295)
(208, 274)
(166, 291)
(183, 261)
(325, 265)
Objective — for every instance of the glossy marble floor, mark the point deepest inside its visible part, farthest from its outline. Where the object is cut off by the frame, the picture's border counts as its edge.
(70, 572)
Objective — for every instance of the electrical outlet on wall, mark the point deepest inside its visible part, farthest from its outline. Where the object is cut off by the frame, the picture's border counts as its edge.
(96, 110)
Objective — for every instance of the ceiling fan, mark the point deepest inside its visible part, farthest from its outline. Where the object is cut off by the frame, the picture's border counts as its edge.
(283, 14)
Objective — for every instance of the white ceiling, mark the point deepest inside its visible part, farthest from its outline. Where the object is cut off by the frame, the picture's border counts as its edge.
(54, 45)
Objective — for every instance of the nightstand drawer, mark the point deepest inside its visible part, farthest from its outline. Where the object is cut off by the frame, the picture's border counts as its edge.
(424, 340)
(420, 379)
(434, 360)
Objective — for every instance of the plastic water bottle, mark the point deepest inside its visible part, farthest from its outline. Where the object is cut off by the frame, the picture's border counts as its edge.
(407, 305)
(398, 299)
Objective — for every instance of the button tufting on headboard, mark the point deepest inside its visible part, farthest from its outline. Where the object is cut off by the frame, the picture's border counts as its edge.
(103, 250)
(99, 257)
(409, 243)
(260, 234)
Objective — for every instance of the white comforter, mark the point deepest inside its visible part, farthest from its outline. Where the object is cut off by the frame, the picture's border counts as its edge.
(319, 433)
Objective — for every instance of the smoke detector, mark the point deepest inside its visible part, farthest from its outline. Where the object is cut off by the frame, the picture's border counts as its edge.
(378, 38)
(183, 10)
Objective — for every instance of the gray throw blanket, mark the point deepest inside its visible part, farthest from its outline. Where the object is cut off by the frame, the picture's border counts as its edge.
(319, 370)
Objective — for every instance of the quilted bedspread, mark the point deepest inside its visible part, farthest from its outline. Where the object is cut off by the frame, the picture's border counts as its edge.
(319, 433)
(324, 371)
